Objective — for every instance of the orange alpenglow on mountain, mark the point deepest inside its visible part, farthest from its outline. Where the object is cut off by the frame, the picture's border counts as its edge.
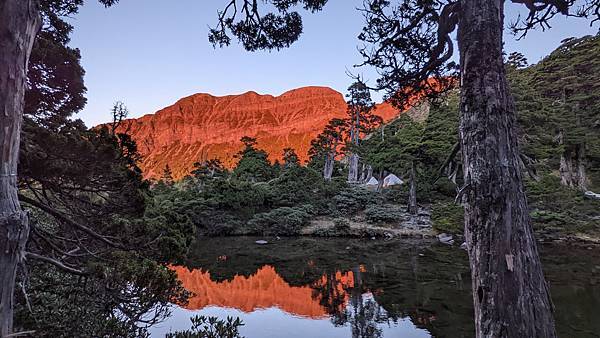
(262, 290)
(202, 126)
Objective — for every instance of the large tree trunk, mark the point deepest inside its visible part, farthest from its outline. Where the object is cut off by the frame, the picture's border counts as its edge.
(510, 294)
(413, 208)
(19, 24)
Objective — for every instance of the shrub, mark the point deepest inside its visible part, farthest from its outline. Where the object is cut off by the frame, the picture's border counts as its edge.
(448, 217)
(210, 327)
(217, 223)
(284, 221)
(341, 225)
(354, 199)
(295, 186)
(383, 214)
(554, 206)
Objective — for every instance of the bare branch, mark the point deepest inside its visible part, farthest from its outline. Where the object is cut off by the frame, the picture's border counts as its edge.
(542, 11)
(69, 221)
(411, 47)
(56, 263)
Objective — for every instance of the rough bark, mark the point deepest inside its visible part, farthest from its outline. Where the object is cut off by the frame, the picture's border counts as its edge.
(353, 169)
(572, 166)
(413, 208)
(582, 180)
(565, 170)
(328, 166)
(19, 24)
(382, 175)
(510, 293)
(353, 158)
(363, 173)
(369, 174)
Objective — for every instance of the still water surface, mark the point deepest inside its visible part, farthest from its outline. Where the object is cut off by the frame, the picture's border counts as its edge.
(308, 287)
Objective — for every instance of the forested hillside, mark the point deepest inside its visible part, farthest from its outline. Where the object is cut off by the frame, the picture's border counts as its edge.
(558, 101)
(559, 120)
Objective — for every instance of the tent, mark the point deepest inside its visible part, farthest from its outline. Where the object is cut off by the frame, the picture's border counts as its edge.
(373, 182)
(391, 180)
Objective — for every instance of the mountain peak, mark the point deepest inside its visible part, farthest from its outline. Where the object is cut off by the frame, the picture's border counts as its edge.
(203, 126)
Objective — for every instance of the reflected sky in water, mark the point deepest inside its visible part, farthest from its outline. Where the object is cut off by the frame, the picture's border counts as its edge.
(276, 323)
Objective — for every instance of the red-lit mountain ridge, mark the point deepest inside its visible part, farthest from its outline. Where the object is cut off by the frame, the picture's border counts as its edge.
(202, 126)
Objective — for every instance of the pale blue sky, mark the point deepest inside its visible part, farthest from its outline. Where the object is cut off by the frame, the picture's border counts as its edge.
(150, 53)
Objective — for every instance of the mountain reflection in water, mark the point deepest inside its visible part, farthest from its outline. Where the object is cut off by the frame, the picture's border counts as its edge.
(308, 287)
(261, 290)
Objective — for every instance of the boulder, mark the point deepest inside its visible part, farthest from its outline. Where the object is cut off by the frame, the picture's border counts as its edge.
(445, 239)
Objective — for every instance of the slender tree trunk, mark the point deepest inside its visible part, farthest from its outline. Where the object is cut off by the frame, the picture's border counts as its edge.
(353, 158)
(380, 182)
(572, 168)
(566, 166)
(363, 173)
(353, 169)
(413, 208)
(328, 166)
(582, 180)
(369, 174)
(19, 24)
(510, 294)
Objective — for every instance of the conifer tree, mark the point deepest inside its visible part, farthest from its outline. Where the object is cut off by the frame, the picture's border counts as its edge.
(253, 164)
(360, 121)
(290, 158)
(327, 145)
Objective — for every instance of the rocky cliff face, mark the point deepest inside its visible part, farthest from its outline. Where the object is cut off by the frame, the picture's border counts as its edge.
(203, 126)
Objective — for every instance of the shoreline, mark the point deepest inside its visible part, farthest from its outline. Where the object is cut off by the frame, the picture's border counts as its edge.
(324, 227)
